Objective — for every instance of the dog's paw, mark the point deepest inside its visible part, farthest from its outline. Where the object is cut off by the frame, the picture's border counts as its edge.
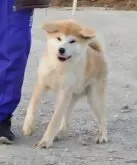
(28, 131)
(101, 139)
(28, 127)
(44, 144)
(61, 134)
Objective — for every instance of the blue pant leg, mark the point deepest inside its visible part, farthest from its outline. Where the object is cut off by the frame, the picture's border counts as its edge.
(15, 42)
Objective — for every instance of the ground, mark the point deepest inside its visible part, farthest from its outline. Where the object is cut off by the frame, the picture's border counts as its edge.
(119, 29)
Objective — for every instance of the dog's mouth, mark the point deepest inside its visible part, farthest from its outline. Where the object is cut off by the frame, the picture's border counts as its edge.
(63, 58)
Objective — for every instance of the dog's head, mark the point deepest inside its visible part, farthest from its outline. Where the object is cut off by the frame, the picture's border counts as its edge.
(67, 39)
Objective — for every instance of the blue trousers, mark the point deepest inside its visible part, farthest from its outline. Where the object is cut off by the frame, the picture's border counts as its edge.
(15, 43)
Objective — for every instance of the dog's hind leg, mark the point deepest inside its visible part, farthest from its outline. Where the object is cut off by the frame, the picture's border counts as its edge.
(63, 101)
(29, 126)
(96, 99)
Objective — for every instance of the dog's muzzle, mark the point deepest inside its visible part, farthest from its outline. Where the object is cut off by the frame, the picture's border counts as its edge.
(62, 56)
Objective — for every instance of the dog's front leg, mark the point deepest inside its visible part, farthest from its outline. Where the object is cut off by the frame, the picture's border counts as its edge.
(66, 119)
(53, 127)
(29, 126)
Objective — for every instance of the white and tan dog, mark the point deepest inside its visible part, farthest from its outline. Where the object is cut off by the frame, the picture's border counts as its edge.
(73, 66)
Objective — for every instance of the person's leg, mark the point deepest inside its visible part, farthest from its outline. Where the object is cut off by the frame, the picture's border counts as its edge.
(15, 42)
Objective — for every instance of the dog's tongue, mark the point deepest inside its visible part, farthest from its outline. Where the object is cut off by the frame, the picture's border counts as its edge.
(61, 56)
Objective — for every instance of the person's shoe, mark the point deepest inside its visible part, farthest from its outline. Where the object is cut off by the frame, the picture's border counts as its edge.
(6, 135)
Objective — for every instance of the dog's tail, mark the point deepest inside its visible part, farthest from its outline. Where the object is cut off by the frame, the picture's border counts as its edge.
(97, 44)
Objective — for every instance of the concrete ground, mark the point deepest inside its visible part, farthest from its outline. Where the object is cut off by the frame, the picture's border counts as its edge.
(119, 29)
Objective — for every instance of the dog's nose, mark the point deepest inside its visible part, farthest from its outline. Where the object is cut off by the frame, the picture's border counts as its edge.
(62, 50)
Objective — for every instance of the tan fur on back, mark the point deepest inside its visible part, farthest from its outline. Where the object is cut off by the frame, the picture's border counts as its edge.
(96, 64)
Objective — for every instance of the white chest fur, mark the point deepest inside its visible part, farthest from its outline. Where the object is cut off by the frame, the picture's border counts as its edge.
(64, 76)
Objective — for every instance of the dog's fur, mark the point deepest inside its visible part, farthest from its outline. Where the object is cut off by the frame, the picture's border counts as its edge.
(80, 71)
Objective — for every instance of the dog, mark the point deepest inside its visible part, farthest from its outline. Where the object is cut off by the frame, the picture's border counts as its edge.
(73, 66)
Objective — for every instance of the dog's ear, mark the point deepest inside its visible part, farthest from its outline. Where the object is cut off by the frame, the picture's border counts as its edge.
(50, 27)
(87, 33)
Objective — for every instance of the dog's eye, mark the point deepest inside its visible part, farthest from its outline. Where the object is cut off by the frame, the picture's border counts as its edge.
(72, 41)
(58, 38)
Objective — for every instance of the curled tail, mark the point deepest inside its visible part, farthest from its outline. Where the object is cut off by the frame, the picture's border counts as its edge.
(97, 45)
